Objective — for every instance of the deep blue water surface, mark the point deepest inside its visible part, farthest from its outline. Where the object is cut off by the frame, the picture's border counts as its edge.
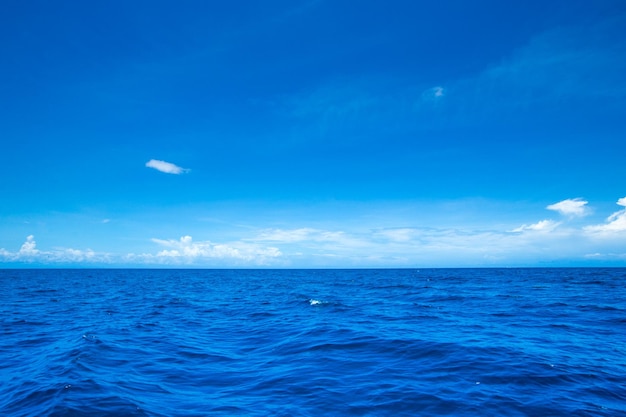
(434, 342)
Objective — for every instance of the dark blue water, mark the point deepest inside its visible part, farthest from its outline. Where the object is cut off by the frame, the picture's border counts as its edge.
(458, 342)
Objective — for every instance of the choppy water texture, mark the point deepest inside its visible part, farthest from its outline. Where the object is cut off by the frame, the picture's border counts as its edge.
(458, 342)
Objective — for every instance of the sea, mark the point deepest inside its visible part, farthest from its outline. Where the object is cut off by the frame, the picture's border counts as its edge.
(362, 342)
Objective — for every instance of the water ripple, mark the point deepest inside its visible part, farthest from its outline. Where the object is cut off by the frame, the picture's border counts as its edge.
(303, 343)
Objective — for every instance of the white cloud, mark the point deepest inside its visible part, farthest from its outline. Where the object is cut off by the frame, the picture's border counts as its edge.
(572, 207)
(434, 93)
(606, 256)
(405, 246)
(300, 235)
(185, 250)
(541, 226)
(615, 223)
(29, 248)
(542, 241)
(165, 167)
(28, 252)
(315, 242)
(366, 245)
(286, 236)
(78, 255)
(401, 234)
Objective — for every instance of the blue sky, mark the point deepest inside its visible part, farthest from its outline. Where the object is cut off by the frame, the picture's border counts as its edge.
(312, 133)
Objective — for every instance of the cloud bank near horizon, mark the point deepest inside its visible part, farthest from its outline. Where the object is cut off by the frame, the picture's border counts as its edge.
(186, 251)
(30, 254)
(543, 241)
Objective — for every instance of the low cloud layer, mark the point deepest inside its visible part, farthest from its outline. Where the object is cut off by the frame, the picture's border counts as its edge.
(29, 253)
(186, 251)
(563, 240)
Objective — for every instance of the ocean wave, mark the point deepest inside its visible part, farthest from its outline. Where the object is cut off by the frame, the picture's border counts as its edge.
(257, 343)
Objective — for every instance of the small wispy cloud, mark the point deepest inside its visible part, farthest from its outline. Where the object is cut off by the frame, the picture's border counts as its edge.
(434, 93)
(300, 235)
(399, 234)
(606, 256)
(541, 226)
(572, 207)
(166, 167)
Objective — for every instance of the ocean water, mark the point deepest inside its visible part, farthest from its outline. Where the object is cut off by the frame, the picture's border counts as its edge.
(432, 342)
